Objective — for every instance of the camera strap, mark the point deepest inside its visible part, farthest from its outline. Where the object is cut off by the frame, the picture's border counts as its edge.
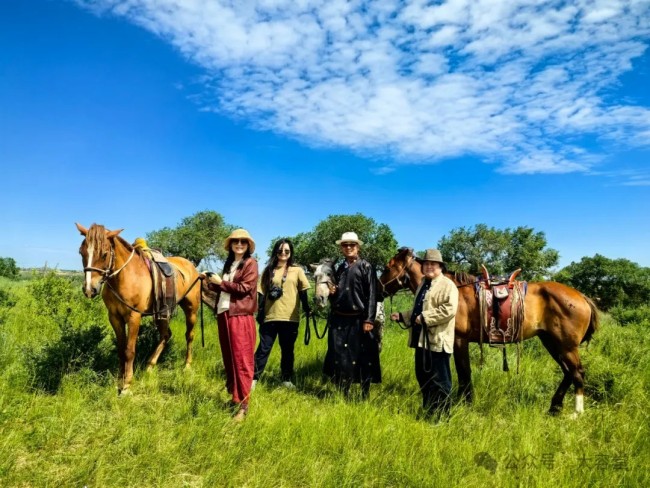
(284, 276)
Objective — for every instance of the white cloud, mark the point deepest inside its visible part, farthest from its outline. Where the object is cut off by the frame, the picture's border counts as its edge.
(509, 81)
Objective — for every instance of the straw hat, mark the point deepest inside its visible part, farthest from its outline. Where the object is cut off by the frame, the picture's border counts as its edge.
(349, 237)
(431, 255)
(240, 234)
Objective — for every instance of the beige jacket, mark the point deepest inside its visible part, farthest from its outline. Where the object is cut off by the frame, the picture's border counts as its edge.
(439, 313)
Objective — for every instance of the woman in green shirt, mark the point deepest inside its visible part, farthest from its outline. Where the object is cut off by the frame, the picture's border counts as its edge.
(282, 287)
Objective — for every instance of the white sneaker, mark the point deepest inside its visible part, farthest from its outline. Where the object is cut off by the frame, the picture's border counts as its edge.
(253, 385)
(288, 384)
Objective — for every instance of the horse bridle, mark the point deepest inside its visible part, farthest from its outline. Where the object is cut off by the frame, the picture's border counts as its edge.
(402, 274)
(108, 273)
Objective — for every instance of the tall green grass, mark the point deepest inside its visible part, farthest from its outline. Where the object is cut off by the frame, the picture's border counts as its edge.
(175, 429)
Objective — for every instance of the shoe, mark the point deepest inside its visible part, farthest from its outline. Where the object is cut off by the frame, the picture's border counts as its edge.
(253, 385)
(289, 385)
(240, 415)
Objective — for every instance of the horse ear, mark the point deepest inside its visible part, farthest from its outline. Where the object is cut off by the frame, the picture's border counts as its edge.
(82, 230)
(113, 233)
(313, 267)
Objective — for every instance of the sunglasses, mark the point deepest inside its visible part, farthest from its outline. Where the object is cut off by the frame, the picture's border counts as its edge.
(348, 244)
(239, 241)
(284, 251)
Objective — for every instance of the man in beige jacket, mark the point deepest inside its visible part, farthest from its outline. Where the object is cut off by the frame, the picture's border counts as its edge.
(434, 311)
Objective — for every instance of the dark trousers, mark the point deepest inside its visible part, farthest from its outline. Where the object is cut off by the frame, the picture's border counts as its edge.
(433, 372)
(287, 332)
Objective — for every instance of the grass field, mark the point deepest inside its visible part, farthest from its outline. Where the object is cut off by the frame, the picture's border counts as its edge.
(62, 423)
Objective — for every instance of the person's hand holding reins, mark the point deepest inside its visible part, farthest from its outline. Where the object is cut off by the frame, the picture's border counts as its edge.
(211, 277)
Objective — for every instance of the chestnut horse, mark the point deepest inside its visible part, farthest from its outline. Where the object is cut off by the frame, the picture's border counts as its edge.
(108, 259)
(560, 316)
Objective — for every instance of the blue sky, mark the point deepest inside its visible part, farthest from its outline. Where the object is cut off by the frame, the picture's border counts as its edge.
(276, 114)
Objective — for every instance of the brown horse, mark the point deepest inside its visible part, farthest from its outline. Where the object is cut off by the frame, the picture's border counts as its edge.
(108, 259)
(560, 316)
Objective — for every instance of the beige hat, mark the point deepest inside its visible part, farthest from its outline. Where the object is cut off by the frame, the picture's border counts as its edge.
(240, 234)
(349, 237)
(431, 255)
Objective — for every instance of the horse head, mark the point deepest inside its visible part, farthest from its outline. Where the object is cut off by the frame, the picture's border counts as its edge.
(97, 256)
(396, 274)
(323, 277)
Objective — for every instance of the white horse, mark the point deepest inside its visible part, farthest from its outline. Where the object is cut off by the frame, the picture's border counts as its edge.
(323, 278)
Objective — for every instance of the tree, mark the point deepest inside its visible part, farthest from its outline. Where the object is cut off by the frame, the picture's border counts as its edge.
(310, 247)
(610, 282)
(501, 251)
(527, 250)
(197, 238)
(8, 268)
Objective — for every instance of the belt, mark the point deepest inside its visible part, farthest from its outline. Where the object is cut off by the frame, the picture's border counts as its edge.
(347, 314)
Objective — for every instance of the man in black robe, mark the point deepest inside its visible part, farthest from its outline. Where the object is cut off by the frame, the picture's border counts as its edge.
(352, 348)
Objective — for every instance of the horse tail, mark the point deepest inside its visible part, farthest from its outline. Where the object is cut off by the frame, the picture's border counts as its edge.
(594, 320)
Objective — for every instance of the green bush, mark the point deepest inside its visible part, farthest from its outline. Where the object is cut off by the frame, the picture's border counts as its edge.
(60, 298)
(8, 268)
(76, 348)
(626, 316)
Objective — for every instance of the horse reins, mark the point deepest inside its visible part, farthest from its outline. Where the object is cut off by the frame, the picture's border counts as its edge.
(314, 321)
(314, 317)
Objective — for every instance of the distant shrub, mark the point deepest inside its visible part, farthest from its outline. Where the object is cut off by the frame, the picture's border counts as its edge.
(632, 315)
(8, 268)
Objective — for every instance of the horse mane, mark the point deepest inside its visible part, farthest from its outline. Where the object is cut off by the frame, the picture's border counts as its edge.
(463, 278)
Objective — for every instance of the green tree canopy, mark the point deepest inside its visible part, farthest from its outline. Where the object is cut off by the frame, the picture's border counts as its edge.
(8, 268)
(197, 238)
(610, 282)
(500, 250)
(310, 247)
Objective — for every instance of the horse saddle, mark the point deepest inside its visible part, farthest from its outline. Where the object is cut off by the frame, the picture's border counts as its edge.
(163, 279)
(501, 302)
(162, 262)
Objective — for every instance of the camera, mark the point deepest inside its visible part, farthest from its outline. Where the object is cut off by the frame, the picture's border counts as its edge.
(275, 292)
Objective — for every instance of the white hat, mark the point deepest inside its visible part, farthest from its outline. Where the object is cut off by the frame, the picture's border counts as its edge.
(349, 237)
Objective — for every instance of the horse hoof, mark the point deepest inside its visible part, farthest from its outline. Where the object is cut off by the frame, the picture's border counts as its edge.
(554, 411)
(149, 368)
(125, 393)
(188, 366)
(576, 415)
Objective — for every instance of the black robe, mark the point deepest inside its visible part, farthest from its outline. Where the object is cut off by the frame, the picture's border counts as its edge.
(353, 355)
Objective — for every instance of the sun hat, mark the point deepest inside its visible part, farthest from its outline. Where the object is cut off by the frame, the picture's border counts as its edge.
(349, 237)
(431, 255)
(240, 234)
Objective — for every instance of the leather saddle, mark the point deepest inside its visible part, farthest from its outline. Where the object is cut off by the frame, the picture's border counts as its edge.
(501, 300)
(161, 261)
(163, 278)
